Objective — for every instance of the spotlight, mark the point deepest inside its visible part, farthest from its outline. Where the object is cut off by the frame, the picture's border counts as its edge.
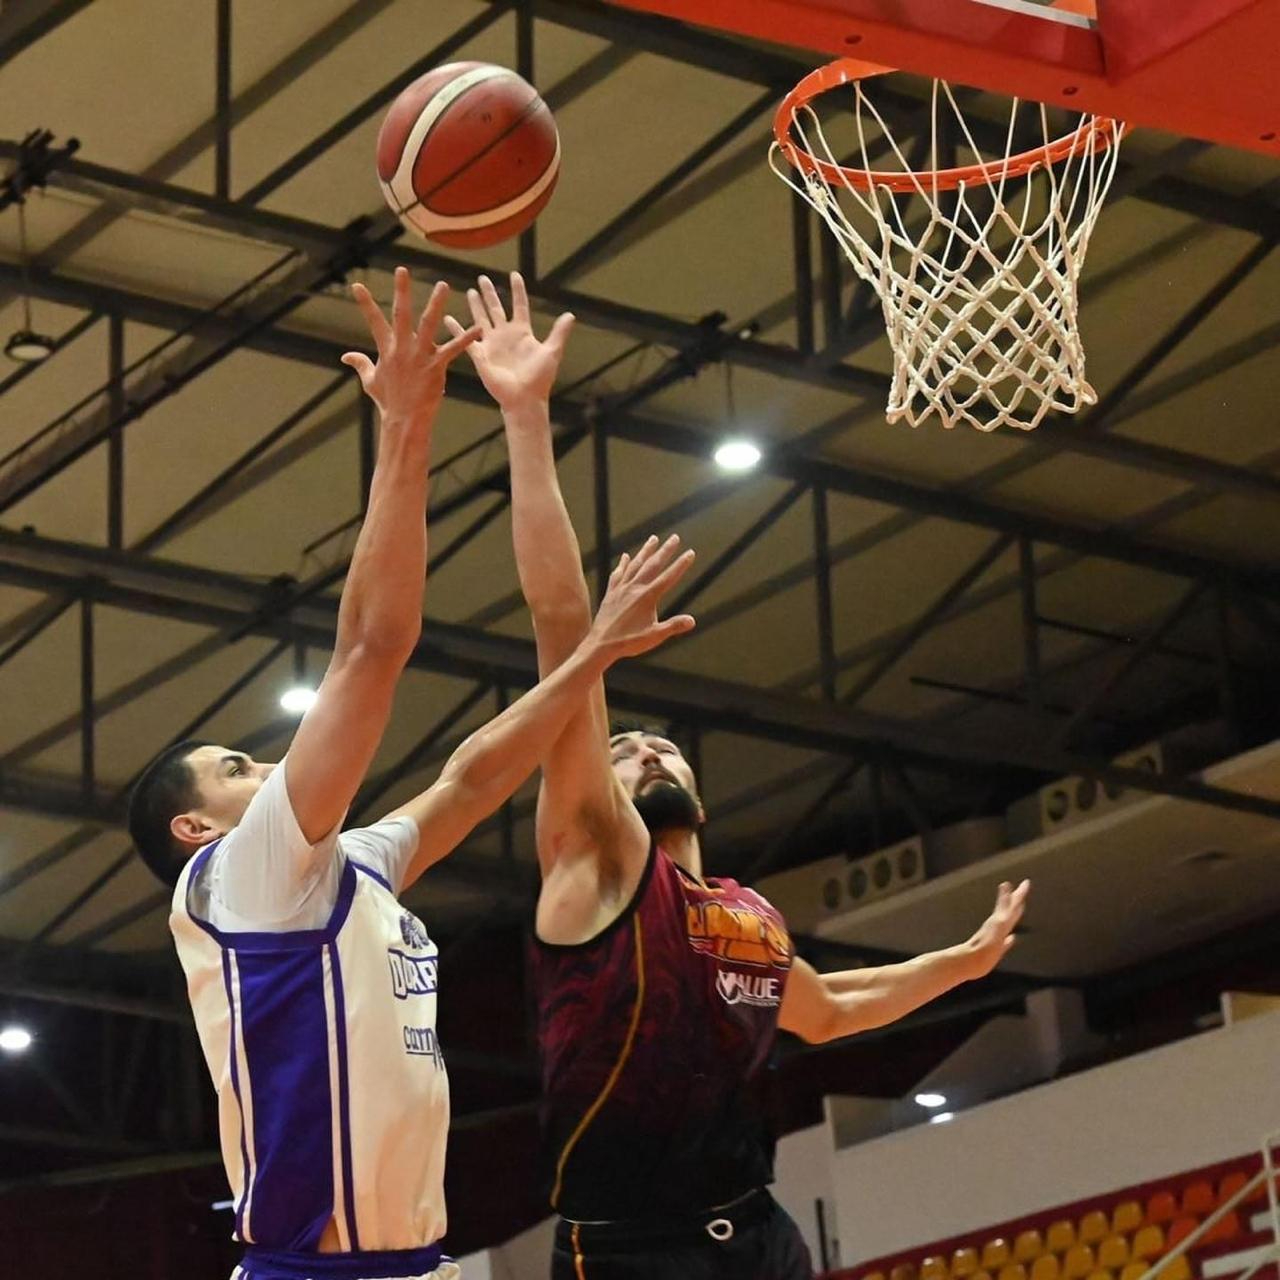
(942, 1117)
(26, 347)
(15, 1039)
(931, 1100)
(298, 699)
(737, 455)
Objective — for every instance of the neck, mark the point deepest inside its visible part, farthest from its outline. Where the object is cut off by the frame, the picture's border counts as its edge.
(683, 847)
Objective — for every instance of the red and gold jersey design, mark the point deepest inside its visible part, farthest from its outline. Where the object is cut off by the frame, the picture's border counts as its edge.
(655, 1037)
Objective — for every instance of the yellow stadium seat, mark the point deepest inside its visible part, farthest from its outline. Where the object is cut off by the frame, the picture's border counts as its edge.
(964, 1262)
(1013, 1271)
(1162, 1208)
(934, 1268)
(1198, 1199)
(1178, 1269)
(1079, 1263)
(1061, 1237)
(996, 1254)
(1135, 1271)
(1094, 1228)
(1102, 1275)
(1046, 1267)
(874, 1275)
(1126, 1218)
(1148, 1243)
(1028, 1246)
(903, 1271)
(981, 1275)
(1113, 1253)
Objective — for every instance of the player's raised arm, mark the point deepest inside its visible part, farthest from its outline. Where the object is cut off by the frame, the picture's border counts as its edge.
(496, 760)
(380, 616)
(825, 1006)
(582, 811)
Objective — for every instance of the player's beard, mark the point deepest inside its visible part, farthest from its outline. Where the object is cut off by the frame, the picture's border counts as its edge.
(667, 806)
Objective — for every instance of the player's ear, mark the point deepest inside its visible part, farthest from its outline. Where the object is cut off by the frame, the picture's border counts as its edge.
(191, 828)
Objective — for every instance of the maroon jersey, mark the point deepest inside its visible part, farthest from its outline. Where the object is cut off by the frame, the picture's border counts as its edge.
(654, 1038)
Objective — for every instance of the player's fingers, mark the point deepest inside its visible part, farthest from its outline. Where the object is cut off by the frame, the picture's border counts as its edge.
(679, 625)
(401, 324)
(433, 312)
(620, 569)
(493, 303)
(559, 334)
(453, 349)
(659, 557)
(361, 363)
(373, 317)
(478, 312)
(672, 574)
(519, 299)
(641, 556)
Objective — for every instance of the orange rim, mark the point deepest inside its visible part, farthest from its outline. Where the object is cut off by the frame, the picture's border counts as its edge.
(1101, 132)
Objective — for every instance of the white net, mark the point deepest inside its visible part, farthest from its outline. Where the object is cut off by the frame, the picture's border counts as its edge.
(978, 284)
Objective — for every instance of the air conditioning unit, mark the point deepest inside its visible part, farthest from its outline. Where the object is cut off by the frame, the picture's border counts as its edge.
(832, 886)
(1071, 801)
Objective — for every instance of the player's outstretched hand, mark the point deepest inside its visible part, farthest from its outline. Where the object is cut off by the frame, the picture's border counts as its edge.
(407, 382)
(995, 937)
(512, 362)
(626, 624)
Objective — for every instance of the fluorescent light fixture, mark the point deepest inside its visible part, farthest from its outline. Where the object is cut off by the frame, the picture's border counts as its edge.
(15, 1039)
(931, 1100)
(26, 347)
(298, 699)
(942, 1117)
(737, 455)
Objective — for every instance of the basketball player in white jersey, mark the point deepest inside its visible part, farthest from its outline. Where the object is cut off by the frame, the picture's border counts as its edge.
(659, 991)
(314, 991)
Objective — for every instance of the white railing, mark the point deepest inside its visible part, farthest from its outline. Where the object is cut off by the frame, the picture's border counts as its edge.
(1271, 1253)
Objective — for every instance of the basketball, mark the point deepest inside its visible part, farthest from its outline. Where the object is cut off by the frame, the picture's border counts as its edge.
(468, 155)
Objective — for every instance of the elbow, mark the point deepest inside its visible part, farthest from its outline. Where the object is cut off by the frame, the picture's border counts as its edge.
(387, 644)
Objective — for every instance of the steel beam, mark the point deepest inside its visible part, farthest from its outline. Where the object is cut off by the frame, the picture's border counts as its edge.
(154, 586)
(784, 362)
(22, 24)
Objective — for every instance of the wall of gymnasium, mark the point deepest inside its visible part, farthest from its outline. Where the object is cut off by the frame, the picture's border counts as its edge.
(1201, 1100)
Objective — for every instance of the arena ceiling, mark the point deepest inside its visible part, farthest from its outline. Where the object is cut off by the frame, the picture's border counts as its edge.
(896, 627)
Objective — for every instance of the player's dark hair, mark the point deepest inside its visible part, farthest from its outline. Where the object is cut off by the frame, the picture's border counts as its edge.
(167, 788)
(670, 732)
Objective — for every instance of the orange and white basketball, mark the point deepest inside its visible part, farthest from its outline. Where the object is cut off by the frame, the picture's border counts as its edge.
(468, 155)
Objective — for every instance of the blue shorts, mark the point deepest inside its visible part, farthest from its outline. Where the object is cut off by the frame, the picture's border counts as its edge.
(398, 1264)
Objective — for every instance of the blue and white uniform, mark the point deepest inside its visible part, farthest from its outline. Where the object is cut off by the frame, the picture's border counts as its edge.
(314, 993)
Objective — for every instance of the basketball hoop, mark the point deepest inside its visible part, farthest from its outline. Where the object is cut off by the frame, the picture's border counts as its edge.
(980, 296)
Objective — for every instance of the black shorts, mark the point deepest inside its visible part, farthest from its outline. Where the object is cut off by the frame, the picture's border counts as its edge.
(754, 1239)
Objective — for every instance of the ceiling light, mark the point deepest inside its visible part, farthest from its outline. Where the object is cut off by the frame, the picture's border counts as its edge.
(931, 1100)
(298, 700)
(27, 347)
(15, 1039)
(942, 1117)
(737, 455)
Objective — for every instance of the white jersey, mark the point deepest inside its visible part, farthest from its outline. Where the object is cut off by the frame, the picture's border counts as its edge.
(319, 1029)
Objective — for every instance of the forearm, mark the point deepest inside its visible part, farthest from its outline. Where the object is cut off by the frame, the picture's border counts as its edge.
(496, 760)
(548, 557)
(867, 998)
(382, 601)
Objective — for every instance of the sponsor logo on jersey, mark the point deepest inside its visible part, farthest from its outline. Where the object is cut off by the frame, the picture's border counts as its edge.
(413, 931)
(738, 934)
(747, 988)
(411, 975)
(421, 1042)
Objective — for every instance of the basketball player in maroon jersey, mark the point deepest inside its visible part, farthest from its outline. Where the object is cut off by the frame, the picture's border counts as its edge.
(659, 991)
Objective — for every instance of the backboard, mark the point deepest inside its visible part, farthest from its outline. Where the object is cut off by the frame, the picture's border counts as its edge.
(1204, 68)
